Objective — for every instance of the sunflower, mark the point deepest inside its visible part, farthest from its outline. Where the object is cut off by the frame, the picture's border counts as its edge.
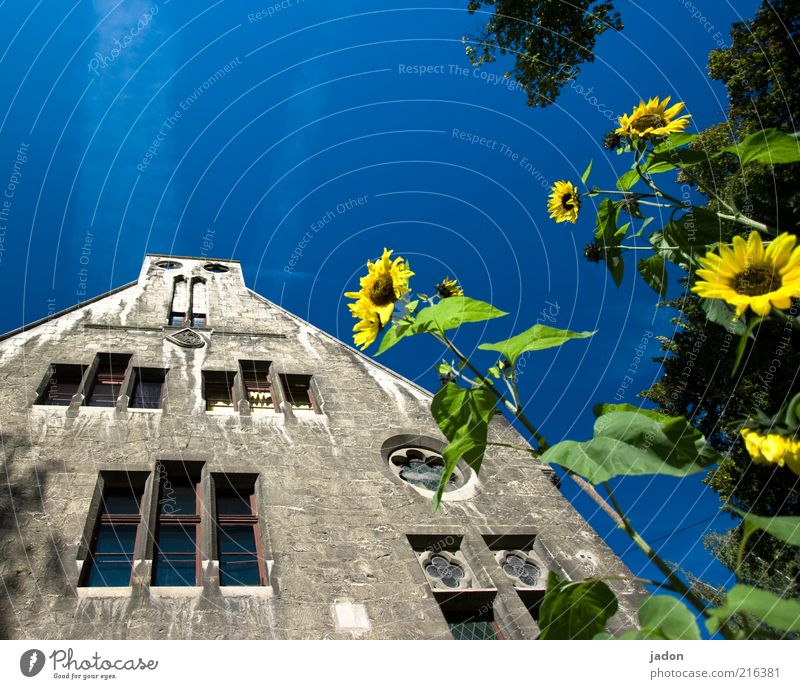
(367, 329)
(652, 119)
(449, 288)
(772, 448)
(751, 274)
(564, 202)
(386, 281)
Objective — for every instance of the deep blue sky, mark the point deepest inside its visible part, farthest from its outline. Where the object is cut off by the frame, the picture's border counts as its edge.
(317, 107)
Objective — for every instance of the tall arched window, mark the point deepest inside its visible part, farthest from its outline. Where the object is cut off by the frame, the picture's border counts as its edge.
(179, 306)
(199, 305)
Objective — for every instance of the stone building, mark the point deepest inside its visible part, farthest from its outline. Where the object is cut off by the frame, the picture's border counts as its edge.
(184, 459)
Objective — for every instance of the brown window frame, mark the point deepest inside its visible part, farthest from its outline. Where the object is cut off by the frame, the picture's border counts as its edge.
(117, 365)
(244, 520)
(230, 379)
(249, 367)
(288, 397)
(45, 397)
(182, 520)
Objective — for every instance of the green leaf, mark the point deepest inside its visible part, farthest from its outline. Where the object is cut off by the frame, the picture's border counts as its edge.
(627, 181)
(463, 416)
(720, 313)
(534, 339)
(616, 267)
(575, 609)
(667, 618)
(452, 312)
(786, 529)
(606, 223)
(673, 158)
(674, 141)
(653, 270)
(585, 175)
(778, 613)
(768, 146)
(393, 335)
(606, 408)
(632, 443)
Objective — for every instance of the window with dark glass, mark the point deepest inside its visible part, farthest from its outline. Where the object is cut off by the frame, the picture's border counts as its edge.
(199, 301)
(63, 381)
(241, 562)
(472, 623)
(108, 378)
(179, 305)
(117, 530)
(176, 559)
(218, 390)
(148, 387)
(298, 391)
(258, 387)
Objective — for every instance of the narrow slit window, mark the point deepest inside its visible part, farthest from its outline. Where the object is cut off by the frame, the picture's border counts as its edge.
(108, 379)
(218, 391)
(179, 306)
(299, 393)
(199, 303)
(148, 388)
(176, 560)
(63, 382)
(258, 387)
(117, 531)
(241, 562)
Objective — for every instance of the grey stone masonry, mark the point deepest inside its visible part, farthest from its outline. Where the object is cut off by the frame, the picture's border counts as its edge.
(343, 535)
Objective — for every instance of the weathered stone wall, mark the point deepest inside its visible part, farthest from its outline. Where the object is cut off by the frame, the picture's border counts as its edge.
(335, 518)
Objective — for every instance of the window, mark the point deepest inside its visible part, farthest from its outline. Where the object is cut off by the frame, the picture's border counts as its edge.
(62, 382)
(215, 268)
(168, 265)
(176, 560)
(116, 532)
(199, 303)
(471, 618)
(148, 386)
(423, 469)
(258, 387)
(298, 392)
(218, 391)
(108, 379)
(241, 562)
(179, 306)
(516, 556)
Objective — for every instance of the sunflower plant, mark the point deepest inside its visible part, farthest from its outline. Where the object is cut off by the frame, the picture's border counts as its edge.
(627, 441)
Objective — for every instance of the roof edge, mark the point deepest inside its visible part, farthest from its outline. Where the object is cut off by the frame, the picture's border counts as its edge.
(197, 258)
(361, 354)
(64, 312)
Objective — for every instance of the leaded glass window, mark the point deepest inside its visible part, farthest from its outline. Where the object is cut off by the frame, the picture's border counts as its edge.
(148, 385)
(422, 468)
(443, 570)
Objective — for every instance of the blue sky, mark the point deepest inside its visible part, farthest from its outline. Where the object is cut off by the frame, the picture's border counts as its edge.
(304, 139)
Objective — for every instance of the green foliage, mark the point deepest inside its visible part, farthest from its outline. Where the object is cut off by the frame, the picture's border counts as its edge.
(787, 529)
(575, 609)
(663, 618)
(778, 613)
(699, 383)
(463, 416)
(654, 271)
(452, 312)
(534, 339)
(633, 442)
(549, 40)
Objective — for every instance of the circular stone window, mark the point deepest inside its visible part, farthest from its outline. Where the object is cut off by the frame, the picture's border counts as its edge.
(215, 268)
(418, 462)
(169, 265)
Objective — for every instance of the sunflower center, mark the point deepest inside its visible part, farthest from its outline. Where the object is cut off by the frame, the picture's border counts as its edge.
(753, 281)
(645, 122)
(382, 291)
(568, 201)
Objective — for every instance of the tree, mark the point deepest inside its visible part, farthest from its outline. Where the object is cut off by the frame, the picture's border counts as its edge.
(548, 38)
(761, 71)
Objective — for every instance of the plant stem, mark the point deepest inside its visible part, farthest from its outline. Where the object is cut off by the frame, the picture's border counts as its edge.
(666, 570)
(744, 220)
